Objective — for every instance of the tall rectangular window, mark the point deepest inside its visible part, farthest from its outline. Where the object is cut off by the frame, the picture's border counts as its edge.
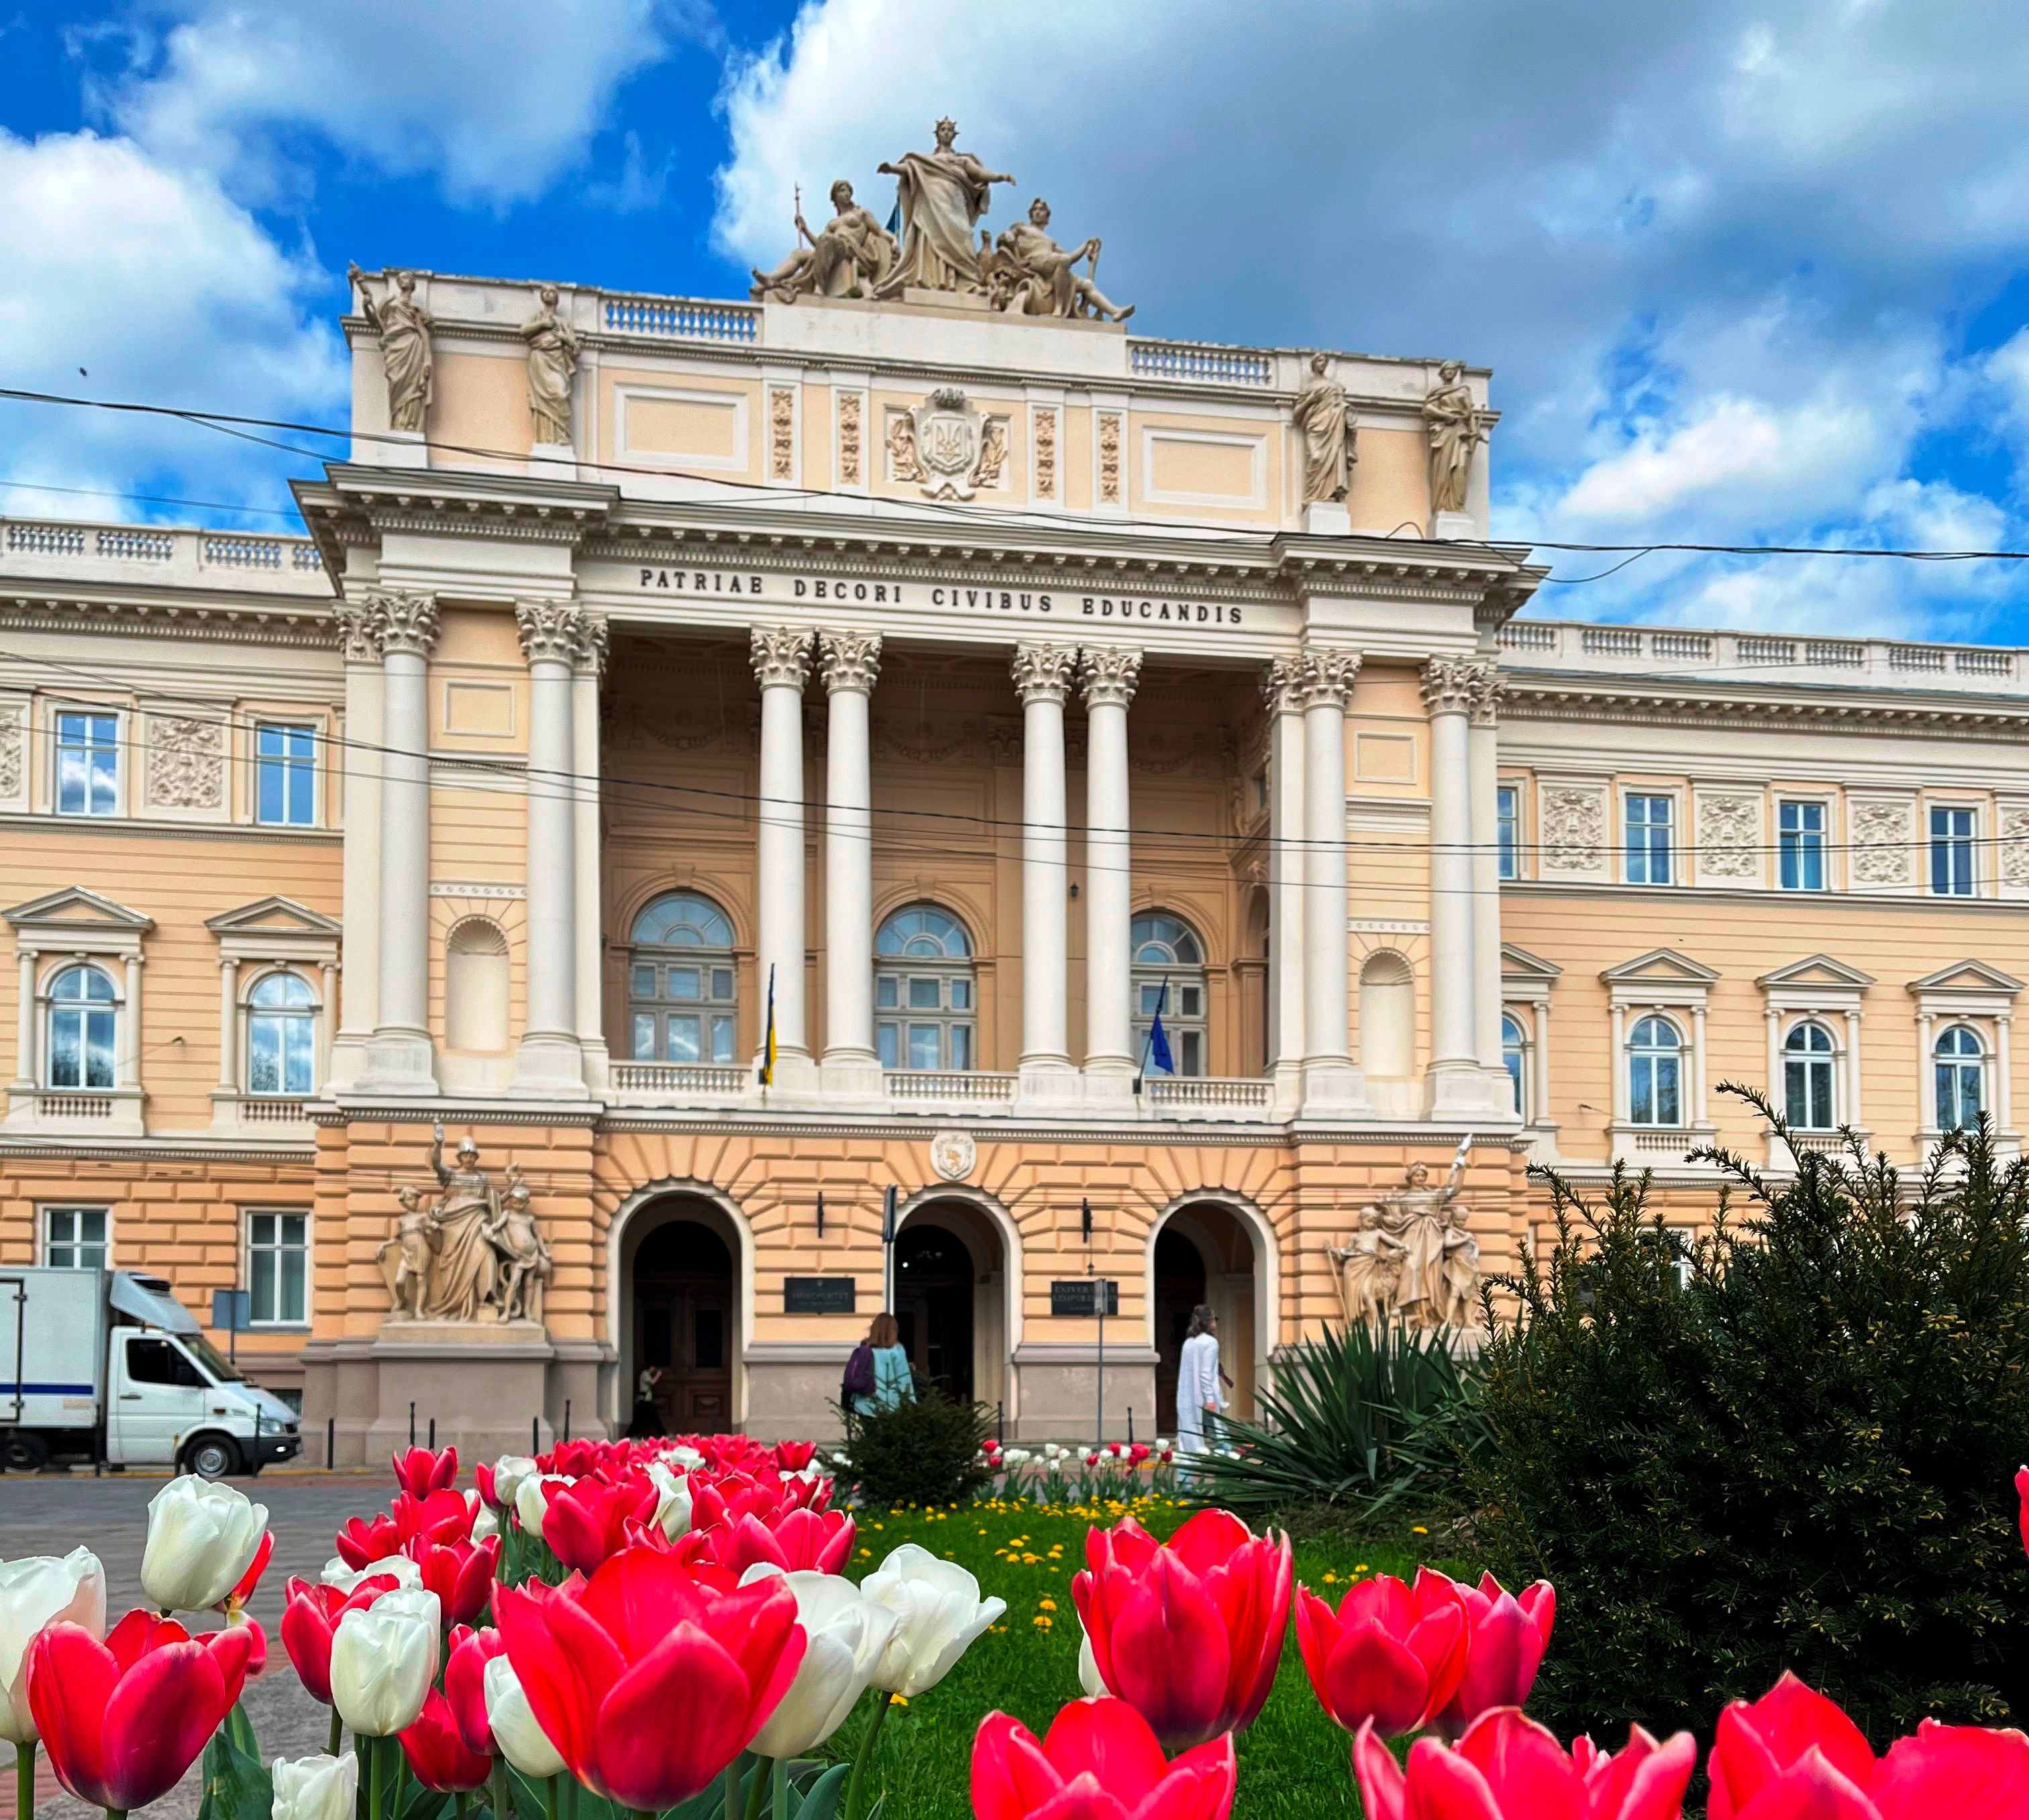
(1649, 824)
(1951, 852)
(285, 776)
(1800, 832)
(87, 780)
(278, 1267)
(1508, 817)
(74, 1238)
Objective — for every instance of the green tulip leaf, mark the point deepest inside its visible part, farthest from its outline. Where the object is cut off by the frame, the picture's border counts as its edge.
(236, 1784)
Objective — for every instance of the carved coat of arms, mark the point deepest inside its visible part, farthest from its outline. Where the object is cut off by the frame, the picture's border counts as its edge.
(948, 432)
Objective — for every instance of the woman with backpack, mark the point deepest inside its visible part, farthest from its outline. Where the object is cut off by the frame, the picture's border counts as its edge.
(877, 1375)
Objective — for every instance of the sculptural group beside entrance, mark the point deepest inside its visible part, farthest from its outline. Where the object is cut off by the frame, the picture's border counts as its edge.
(474, 1253)
(1411, 1260)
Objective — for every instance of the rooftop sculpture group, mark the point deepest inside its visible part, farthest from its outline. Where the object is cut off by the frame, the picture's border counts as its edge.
(474, 1253)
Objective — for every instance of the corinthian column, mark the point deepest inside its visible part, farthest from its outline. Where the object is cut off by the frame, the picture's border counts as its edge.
(358, 764)
(1043, 678)
(1483, 763)
(1281, 687)
(400, 1059)
(1110, 678)
(589, 664)
(546, 1064)
(849, 662)
(1331, 1083)
(1450, 688)
(781, 658)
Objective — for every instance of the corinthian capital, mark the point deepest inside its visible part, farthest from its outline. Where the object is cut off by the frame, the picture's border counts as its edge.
(403, 624)
(358, 636)
(1455, 685)
(1486, 701)
(589, 648)
(1282, 685)
(782, 657)
(1110, 678)
(1324, 677)
(1043, 672)
(849, 661)
(549, 629)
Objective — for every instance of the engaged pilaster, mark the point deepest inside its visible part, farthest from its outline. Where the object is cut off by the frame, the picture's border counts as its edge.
(849, 663)
(1332, 1086)
(588, 655)
(365, 728)
(1110, 678)
(1483, 757)
(1043, 678)
(1282, 689)
(781, 658)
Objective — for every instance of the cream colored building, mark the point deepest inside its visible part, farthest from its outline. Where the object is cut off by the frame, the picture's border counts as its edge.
(978, 679)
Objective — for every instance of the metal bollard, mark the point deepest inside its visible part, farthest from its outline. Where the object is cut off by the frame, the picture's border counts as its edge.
(331, 1443)
(1000, 1424)
(567, 1418)
(535, 1434)
(433, 1434)
(1130, 1425)
(412, 1424)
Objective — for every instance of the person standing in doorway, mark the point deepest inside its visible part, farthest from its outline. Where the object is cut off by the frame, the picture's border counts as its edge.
(647, 1420)
(1198, 1391)
(892, 1381)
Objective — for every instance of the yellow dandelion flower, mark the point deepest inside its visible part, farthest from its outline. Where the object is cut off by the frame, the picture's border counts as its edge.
(1041, 1622)
(1418, 1529)
(1048, 1605)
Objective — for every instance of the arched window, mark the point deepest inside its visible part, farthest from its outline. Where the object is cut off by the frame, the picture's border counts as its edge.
(84, 1022)
(1807, 1078)
(476, 987)
(680, 991)
(1655, 1073)
(281, 1036)
(1514, 1057)
(1165, 950)
(1387, 1017)
(1961, 1063)
(924, 1004)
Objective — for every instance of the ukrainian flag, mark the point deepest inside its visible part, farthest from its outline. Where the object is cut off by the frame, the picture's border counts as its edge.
(768, 1042)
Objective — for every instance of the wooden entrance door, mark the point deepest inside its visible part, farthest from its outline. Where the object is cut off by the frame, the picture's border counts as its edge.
(684, 1323)
(933, 1291)
(1180, 1287)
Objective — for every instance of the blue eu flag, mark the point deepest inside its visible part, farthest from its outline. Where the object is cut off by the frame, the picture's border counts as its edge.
(1159, 1055)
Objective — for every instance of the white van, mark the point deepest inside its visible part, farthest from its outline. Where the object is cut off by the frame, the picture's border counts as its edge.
(108, 1365)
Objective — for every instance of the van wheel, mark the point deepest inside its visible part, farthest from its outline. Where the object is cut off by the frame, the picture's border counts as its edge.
(211, 1457)
(20, 1453)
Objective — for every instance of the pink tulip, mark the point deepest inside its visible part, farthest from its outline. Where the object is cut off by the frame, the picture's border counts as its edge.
(1100, 1762)
(1392, 1655)
(419, 1471)
(465, 1685)
(1506, 1634)
(439, 1756)
(1508, 1767)
(460, 1573)
(821, 1542)
(587, 1520)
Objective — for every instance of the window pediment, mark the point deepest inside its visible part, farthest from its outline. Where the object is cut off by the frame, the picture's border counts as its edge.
(1662, 976)
(1817, 982)
(74, 907)
(276, 928)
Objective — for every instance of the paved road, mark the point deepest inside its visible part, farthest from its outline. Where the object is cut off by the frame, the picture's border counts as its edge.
(52, 1515)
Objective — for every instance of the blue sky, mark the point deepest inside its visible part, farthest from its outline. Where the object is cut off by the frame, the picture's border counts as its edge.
(1748, 271)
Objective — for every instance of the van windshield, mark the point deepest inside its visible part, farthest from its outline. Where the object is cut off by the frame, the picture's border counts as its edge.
(221, 1368)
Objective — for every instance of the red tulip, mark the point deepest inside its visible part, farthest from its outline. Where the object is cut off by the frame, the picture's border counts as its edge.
(419, 1471)
(1189, 1632)
(1965, 1772)
(1391, 1656)
(794, 1456)
(818, 1541)
(1506, 1634)
(1508, 1767)
(464, 1683)
(442, 1517)
(587, 1520)
(309, 1619)
(365, 1540)
(2022, 1488)
(1100, 1762)
(460, 1573)
(438, 1754)
(648, 1683)
(1755, 1745)
(122, 1720)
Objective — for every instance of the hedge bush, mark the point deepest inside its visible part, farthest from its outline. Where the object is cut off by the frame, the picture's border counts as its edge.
(922, 1452)
(1791, 1447)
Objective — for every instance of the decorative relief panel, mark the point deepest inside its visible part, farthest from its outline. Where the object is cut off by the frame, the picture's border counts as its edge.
(1883, 843)
(186, 763)
(1729, 837)
(2014, 836)
(850, 471)
(1573, 822)
(1046, 455)
(782, 433)
(13, 748)
(1109, 458)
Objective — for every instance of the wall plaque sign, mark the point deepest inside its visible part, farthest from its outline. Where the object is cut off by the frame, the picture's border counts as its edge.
(1076, 1296)
(819, 1294)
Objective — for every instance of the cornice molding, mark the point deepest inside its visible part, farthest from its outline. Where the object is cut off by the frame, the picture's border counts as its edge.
(1569, 700)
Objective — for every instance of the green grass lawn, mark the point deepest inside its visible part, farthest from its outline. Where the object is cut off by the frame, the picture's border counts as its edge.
(1294, 1762)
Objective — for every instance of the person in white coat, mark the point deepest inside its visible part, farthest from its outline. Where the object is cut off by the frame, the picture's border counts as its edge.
(1198, 1381)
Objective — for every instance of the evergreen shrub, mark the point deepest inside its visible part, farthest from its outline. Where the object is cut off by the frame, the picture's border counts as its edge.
(924, 1451)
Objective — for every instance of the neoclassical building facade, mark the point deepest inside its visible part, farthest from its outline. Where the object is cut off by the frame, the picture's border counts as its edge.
(930, 688)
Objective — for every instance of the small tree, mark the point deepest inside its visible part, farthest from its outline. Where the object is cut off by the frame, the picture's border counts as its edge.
(1791, 1447)
(923, 1451)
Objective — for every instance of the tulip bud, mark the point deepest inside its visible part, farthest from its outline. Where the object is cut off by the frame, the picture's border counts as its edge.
(530, 1504)
(37, 1591)
(201, 1540)
(522, 1742)
(318, 1788)
(383, 1661)
(673, 1512)
(508, 1472)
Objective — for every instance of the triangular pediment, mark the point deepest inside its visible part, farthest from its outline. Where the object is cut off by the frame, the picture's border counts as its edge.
(273, 916)
(1661, 967)
(1818, 970)
(79, 908)
(1967, 976)
(1519, 964)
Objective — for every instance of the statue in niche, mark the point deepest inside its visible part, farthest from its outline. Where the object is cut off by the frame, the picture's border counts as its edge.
(553, 348)
(1027, 274)
(1323, 416)
(1412, 1260)
(943, 194)
(1456, 426)
(850, 258)
(404, 327)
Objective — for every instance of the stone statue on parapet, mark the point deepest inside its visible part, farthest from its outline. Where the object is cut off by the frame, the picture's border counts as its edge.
(1027, 274)
(1456, 426)
(1323, 417)
(943, 194)
(1412, 1260)
(404, 327)
(553, 350)
(850, 258)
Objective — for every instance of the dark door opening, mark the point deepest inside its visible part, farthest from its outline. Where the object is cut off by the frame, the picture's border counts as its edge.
(1180, 1287)
(682, 1322)
(933, 1291)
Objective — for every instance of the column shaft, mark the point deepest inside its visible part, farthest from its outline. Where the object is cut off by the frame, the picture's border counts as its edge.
(1282, 687)
(781, 663)
(546, 1063)
(27, 1072)
(228, 1026)
(1451, 687)
(1042, 676)
(127, 1071)
(1331, 1081)
(591, 992)
(849, 663)
(1484, 761)
(358, 761)
(1110, 679)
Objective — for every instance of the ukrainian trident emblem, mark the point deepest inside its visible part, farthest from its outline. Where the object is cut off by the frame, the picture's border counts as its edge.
(947, 442)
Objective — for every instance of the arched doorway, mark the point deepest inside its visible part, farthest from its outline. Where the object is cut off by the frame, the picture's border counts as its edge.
(1205, 1251)
(951, 1299)
(685, 1318)
(1180, 1287)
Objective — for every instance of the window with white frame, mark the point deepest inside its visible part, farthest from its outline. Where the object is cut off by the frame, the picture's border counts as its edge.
(925, 1006)
(84, 1029)
(74, 1238)
(1655, 1073)
(681, 984)
(87, 768)
(1960, 1061)
(1167, 954)
(285, 776)
(1508, 819)
(1650, 820)
(1800, 846)
(1951, 851)
(1809, 1078)
(281, 1036)
(278, 1268)
(1515, 1059)
(1683, 1252)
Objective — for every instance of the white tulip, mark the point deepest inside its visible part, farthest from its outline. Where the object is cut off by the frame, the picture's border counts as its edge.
(36, 1591)
(318, 1788)
(529, 1503)
(202, 1538)
(673, 1511)
(512, 1721)
(509, 1471)
(383, 1659)
(485, 1522)
(1090, 1678)
(938, 1612)
(848, 1633)
(399, 1568)
(688, 1458)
